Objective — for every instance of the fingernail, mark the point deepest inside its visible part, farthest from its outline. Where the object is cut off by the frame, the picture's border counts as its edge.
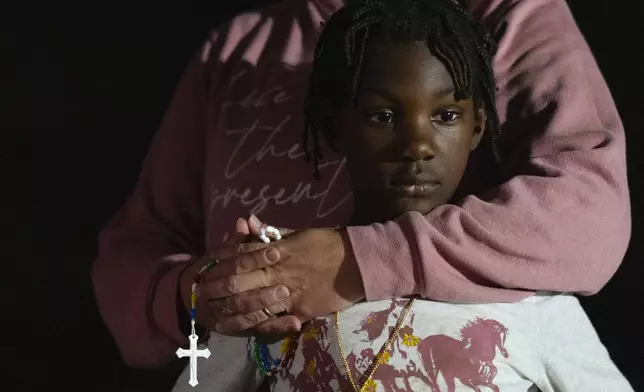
(292, 327)
(240, 220)
(254, 221)
(272, 255)
(282, 293)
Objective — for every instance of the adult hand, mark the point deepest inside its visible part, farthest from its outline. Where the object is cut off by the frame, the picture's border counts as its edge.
(316, 265)
(210, 308)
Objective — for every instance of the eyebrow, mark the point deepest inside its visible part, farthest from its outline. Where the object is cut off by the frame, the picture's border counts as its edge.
(438, 93)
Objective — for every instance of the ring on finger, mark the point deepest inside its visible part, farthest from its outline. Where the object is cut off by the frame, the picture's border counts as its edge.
(268, 313)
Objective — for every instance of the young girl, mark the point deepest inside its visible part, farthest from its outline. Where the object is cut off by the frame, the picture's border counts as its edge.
(404, 90)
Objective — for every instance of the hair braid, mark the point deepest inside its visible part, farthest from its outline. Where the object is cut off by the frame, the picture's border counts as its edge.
(461, 43)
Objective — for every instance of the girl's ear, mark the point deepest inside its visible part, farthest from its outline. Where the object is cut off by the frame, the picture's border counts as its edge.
(480, 120)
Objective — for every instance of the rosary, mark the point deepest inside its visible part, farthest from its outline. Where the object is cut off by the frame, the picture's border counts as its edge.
(193, 352)
(266, 365)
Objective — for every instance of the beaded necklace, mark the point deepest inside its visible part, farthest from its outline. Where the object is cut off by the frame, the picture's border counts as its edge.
(194, 352)
(266, 365)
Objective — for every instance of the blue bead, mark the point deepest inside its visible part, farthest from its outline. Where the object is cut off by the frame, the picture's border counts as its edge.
(277, 361)
(193, 313)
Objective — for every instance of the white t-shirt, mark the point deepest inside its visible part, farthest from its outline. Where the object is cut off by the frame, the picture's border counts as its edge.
(543, 343)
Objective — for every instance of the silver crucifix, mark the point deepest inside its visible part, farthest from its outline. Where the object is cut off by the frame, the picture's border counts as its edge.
(193, 353)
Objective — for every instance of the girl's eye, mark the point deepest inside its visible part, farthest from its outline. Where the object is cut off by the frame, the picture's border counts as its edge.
(447, 117)
(382, 117)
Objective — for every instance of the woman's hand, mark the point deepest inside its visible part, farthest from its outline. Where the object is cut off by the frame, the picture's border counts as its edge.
(211, 309)
(316, 267)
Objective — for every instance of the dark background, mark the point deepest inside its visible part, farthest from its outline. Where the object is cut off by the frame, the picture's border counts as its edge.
(82, 90)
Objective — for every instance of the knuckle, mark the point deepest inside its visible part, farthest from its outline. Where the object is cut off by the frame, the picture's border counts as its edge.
(252, 318)
(269, 277)
(235, 303)
(230, 285)
(254, 262)
(246, 264)
(284, 306)
(241, 263)
(266, 299)
(276, 276)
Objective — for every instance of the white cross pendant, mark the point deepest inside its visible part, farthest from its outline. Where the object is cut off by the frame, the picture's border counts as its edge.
(193, 353)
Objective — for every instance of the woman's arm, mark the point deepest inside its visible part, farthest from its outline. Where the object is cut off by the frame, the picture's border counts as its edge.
(143, 250)
(562, 223)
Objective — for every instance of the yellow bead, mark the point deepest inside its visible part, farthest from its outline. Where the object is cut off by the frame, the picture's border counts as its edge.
(193, 299)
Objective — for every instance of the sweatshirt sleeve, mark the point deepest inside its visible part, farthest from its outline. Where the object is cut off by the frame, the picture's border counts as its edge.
(143, 249)
(562, 220)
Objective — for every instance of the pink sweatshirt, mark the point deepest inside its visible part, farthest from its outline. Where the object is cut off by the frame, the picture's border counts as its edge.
(229, 146)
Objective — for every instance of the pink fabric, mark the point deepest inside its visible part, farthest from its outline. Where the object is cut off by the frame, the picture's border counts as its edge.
(562, 223)
(229, 145)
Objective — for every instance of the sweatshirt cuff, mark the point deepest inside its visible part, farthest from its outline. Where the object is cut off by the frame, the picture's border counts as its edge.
(164, 312)
(386, 260)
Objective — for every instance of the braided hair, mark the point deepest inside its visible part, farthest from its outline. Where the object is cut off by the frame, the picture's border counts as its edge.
(461, 43)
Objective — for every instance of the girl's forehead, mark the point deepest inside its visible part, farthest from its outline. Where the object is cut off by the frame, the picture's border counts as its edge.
(404, 63)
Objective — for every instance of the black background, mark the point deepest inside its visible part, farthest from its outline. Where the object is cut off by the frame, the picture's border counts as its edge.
(82, 90)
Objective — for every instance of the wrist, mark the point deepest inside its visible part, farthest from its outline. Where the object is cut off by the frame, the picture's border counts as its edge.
(183, 300)
(184, 292)
(186, 278)
(349, 270)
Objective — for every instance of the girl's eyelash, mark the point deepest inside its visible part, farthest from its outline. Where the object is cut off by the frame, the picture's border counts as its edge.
(374, 115)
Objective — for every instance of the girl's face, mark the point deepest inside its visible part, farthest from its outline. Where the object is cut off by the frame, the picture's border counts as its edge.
(407, 141)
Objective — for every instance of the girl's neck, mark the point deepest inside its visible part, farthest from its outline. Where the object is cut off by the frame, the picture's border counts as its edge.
(363, 214)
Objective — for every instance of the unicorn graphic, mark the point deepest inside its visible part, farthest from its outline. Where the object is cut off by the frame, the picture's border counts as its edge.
(470, 360)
